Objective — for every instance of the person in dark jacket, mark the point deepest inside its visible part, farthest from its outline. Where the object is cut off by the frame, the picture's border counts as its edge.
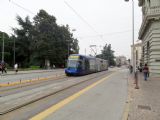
(146, 72)
(3, 67)
(131, 69)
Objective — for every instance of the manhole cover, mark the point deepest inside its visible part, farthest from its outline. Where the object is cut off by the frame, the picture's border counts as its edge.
(144, 107)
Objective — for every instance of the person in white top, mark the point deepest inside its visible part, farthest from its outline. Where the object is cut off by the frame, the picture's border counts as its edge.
(16, 68)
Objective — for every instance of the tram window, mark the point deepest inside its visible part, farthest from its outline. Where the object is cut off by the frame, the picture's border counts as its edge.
(72, 63)
(86, 64)
(79, 64)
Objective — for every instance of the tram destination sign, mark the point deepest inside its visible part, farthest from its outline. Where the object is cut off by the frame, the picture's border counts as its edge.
(74, 57)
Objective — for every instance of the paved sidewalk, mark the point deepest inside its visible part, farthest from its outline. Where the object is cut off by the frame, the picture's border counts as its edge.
(10, 78)
(12, 72)
(144, 103)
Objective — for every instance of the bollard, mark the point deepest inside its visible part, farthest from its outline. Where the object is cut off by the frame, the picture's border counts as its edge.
(136, 80)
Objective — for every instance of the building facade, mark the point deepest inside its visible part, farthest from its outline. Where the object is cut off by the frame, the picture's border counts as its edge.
(121, 60)
(150, 35)
(137, 53)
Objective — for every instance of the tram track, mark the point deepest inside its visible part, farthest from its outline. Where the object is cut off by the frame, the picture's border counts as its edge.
(74, 81)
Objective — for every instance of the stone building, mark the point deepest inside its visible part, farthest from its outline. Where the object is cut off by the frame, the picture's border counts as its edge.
(121, 60)
(138, 54)
(150, 34)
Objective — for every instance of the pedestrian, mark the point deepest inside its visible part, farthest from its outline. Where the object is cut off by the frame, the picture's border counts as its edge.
(146, 72)
(3, 65)
(54, 66)
(0, 66)
(16, 68)
(131, 68)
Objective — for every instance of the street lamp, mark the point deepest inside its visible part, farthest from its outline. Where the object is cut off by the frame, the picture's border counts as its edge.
(101, 51)
(133, 35)
(69, 42)
(2, 46)
(14, 53)
(68, 47)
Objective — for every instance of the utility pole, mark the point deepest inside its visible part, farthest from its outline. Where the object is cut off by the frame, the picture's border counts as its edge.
(102, 52)
(2, 46)
(68, 47)
(134, 67)
(14, 53)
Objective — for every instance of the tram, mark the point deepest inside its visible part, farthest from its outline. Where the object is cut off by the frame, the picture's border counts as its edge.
(81, 65)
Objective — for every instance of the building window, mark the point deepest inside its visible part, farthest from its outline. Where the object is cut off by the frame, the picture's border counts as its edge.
(149, 2)
(148, 51)
(148, 47)
(143, 55)
(136, 57)
(143, 52)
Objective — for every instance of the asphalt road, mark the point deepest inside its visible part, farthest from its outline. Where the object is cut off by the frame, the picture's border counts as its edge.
(105, 101)
(24, 95)
(102, 96)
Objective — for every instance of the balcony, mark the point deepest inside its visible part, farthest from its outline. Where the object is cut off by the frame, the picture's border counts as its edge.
(148, 14)
(152, 11)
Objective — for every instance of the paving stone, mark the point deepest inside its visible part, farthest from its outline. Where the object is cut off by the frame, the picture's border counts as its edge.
(145, 102)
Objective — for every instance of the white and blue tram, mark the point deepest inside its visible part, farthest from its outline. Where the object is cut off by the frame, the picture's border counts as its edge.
(81, 65)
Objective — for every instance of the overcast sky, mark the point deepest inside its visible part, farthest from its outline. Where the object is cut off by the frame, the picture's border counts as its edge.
(106, 21)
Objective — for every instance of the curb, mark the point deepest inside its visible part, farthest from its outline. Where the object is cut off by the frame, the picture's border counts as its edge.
(125, 114)
(21, 72)
(30, 81)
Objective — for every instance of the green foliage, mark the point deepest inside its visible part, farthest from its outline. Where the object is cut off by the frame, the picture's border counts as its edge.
(107, 54)
(8, 43)
(34, 67)
(40, 41)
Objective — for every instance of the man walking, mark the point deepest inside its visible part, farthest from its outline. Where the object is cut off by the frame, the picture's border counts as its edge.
(145, 71)
(3, 65)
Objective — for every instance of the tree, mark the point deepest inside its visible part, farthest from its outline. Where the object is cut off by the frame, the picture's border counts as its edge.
(24, 41)
(7, 47)
(44, 34)
(43, 41)
(52, 39)
(107, 54)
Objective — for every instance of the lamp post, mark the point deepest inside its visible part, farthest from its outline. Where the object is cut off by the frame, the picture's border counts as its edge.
(14, 53)
(102, 52)
(2, 46)
(133, 47)
(73, 30)
(68, 47)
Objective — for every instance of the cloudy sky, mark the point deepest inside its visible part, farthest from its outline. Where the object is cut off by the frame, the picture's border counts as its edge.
(97, 22)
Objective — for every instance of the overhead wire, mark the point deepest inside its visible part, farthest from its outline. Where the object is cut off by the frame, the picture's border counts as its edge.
(20, 6)
(105, 34)
(82, 18)
(98, 35)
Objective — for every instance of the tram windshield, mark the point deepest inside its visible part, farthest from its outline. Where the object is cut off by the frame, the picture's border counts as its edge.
(73, 63)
